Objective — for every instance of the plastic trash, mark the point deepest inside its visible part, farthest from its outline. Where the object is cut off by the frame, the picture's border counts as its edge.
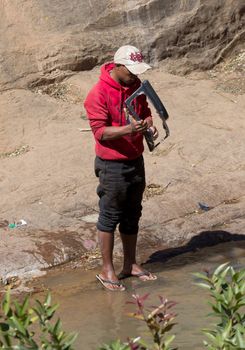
(12, 225)
(203, 206)
(18, 224)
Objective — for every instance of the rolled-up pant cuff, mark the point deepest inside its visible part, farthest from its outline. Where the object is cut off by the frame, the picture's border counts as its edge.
(105, 228)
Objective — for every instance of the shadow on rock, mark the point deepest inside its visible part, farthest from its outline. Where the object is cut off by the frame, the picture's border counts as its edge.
(202, 240)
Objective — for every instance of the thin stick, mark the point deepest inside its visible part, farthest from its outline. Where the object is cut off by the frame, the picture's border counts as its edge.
(84, 129)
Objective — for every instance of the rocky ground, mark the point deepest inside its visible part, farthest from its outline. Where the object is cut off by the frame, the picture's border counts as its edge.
(49, 58)
(47, 179)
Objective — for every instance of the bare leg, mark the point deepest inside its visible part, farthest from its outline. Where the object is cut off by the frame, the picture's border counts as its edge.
(130, 266)
(129, 252)
(106, 242)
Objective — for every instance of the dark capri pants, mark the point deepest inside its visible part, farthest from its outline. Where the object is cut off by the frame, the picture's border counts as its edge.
(120, 191)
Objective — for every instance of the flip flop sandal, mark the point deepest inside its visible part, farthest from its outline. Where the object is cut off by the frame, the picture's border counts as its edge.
(104, 282)
(122, 276)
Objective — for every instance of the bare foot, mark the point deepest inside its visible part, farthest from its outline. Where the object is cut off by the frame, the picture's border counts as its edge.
(137, 271)
(112, 285)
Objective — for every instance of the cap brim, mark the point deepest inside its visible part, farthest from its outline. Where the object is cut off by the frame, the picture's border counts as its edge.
(138, 68)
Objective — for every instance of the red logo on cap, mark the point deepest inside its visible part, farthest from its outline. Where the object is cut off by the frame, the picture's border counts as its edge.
(136, 57)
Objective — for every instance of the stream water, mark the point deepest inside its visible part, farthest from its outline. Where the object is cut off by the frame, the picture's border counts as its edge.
(100, 316)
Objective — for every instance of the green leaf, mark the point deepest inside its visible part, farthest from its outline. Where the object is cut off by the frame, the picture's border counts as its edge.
(40, 306)
(25, 305)
(227, 330)
(18, 325)
(17, 308)
(47, 301)
(219, 269)
(6, 303)
(116, 345)
(27, 322)
(203, 285)
(57, 326)
(210, 336)
(69, 340)
(51, 310)
(229, 294)
(141, 342)
(202, 276)
(7, 339)
(240, 339)
(169, 340)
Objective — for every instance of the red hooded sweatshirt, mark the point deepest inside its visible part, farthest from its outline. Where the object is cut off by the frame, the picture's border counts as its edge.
(104, 105)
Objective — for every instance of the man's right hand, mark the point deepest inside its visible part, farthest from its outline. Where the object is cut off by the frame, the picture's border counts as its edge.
(115, 132)
(138, 126)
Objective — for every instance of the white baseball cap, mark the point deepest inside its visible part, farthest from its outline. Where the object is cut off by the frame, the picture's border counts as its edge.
(131, 58)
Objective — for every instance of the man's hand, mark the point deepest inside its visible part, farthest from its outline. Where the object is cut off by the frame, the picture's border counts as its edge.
(138, 126)
(154, 132)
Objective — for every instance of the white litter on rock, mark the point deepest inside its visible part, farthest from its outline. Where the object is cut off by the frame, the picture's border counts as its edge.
(92, 218)
(21, 223)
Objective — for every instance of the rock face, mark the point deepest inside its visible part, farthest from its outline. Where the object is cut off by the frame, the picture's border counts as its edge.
(43, 41)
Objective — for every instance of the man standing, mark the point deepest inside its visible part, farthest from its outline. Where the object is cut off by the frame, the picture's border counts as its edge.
(119, 163)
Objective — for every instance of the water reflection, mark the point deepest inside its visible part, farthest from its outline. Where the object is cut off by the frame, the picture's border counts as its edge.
(100, 316)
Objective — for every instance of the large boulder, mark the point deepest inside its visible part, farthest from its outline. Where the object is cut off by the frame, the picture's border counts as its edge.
(44, 41)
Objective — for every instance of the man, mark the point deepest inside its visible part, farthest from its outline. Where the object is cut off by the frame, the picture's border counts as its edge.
(119, 163)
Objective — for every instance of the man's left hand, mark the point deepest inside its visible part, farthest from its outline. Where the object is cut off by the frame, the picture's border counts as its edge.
(154, 132)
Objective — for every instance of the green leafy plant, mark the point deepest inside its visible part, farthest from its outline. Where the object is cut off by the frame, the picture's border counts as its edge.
(227, 289)
(159, 321)
(116, 345)
(17, 321)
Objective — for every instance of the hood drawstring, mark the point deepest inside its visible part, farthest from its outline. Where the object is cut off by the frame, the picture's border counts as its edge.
(121, 106)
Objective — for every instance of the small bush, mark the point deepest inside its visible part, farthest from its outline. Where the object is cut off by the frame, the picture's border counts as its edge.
(227, 289)
(159, 322)
(17, 321)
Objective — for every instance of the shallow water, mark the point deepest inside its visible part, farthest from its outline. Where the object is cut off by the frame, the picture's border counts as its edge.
(100, 316)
